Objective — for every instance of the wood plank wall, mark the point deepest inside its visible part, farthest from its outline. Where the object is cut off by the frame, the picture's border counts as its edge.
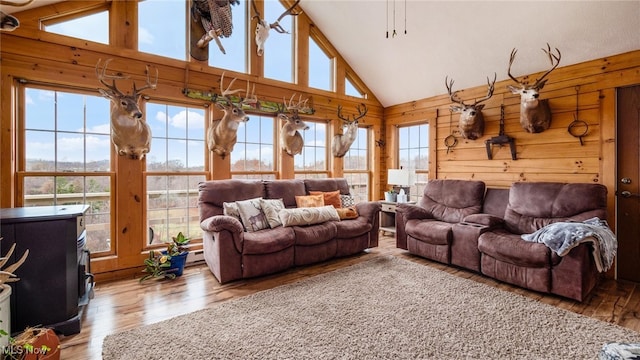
(553, 155)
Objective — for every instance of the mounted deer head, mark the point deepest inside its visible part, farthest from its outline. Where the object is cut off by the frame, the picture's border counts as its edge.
(10, 22)
(535, 114)
(129, 131)
(290, 139)
(342, 142)
(471, 121)
(222, 134)
(263, 27)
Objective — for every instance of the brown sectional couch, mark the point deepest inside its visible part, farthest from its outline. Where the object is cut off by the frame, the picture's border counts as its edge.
(455, 225)
(233, 253)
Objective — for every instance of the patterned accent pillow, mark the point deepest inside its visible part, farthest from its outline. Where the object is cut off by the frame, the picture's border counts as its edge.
(330, 197)
(347, 213)
(231, 209)
(347, 201)
(271, 208)
(252, 215)
(309, 201)
(308, 216)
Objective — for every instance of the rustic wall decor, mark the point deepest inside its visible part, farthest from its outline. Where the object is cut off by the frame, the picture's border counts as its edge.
(471, 122)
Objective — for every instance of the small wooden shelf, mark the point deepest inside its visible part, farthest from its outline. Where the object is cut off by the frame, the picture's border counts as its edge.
(388, 216)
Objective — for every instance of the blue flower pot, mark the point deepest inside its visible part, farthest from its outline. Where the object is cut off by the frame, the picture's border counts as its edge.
(177, 263)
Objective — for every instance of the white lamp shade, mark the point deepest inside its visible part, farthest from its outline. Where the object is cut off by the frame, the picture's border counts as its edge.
(399, 177)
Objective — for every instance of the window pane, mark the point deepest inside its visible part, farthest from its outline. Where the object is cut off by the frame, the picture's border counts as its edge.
(235, 45)
(278, 49)
(154, 36)
(93, 27)
(413, 152)
(320, 68)
(254, 150)
(313, 157)
(350, 89)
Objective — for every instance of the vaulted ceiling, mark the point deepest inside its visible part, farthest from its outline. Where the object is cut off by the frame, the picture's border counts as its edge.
(465, 40)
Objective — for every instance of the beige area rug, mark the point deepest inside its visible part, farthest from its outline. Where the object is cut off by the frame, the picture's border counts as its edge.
(385, 308)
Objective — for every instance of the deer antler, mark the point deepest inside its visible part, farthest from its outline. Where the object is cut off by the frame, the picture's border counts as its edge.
(489, 90)
(276, 25)
(511, 58)
(250, 99)
(453, 96)
(552, 57)
(148, 85)
(226, 92)
(361, 113)
(101, 74)
(300, 105)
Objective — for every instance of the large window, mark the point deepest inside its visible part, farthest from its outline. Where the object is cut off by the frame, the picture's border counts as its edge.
(253, 155)
(175, 166)
(235, 45)
(312, 163)
(162, 28)
(413, 153)
(356, 166)
(320, 67)
(93, 27)
(278, 49)
(66, 154)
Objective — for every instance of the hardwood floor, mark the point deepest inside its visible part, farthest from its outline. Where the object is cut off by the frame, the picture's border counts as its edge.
(127, 304)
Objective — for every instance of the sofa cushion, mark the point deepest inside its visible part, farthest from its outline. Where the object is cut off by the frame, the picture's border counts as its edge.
(308, 216)
(327, 185)
(535, 205)
(285, 190)
(307, 201)
(510, 248)
(271, 208)
(353, 227)
(330, 197)
(452, 200)
(252, 216)
(231, 209)
(268, 241)
(430, 231)
(315, 234)
(347, 200)
(347, 213)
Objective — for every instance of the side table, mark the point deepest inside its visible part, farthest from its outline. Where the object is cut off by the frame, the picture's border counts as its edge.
(388, 216)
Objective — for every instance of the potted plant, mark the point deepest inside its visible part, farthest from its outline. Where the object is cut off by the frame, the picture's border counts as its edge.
(7, 275)
(157, 265)
(390, 196)
(34, 344)
(177, 251)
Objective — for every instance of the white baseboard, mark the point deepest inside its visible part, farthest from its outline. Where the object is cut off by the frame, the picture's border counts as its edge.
(195, 257)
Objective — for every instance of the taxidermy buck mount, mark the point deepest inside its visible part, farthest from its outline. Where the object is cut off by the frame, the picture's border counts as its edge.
(10, 22)
(471, 121)
(130, 133)
(222, 134)
(535, 114)
(216, 19)
(263, 27)
(290, 139)
(342, 142)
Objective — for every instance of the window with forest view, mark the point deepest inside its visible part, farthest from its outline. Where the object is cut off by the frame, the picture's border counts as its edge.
(67, 152)
(413, 152)
(175, 166)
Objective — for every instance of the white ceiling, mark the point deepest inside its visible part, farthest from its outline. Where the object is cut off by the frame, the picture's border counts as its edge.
(465, 40)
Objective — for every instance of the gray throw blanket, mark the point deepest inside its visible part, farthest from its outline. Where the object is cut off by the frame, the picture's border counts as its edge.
(561, 237)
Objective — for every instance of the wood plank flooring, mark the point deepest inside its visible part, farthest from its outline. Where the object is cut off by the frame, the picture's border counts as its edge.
(126, 304)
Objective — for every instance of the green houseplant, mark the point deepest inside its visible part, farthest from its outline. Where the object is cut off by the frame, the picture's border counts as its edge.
(178, 252)
(157, 265)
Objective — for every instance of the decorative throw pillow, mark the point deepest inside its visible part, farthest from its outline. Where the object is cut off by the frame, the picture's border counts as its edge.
(252, 215)
(271, 208)
(309, 201)
(231, 209)
(330, 197)
(308, 216)
(347, 213)
(347, 201)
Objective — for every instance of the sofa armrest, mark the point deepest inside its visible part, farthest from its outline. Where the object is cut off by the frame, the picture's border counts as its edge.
(220, 223)
(369, 210)
(411, 212)
(488, 220)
